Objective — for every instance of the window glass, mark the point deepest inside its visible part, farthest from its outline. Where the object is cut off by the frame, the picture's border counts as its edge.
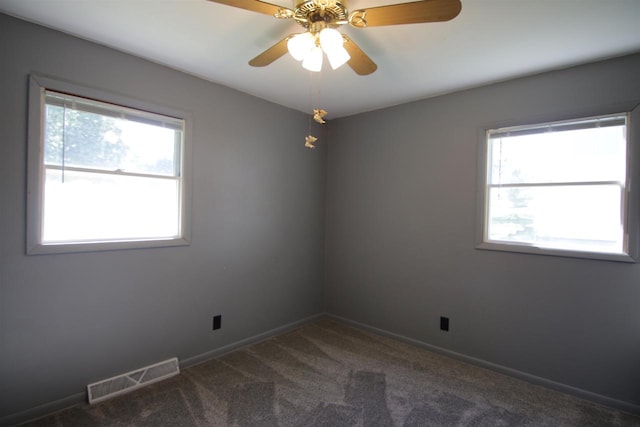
(85, 207)
(583, 155)
(577, 218)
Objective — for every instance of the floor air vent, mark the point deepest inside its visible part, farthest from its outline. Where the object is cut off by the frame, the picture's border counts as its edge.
(130, 381)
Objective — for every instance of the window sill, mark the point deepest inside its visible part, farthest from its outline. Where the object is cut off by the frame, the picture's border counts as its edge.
(60, 248)
(536, 250)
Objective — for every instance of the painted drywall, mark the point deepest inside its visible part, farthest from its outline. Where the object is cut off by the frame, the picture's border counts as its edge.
(401, 209)
(256, 255)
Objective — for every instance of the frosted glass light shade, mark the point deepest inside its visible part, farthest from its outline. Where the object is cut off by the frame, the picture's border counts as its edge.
(338, 57)
(300, 45)
(332, 44)
(313, 60)
(305, 47)
(330, 40)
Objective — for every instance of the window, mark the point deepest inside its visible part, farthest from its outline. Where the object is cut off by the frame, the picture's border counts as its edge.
(560, 188)
(102, 175)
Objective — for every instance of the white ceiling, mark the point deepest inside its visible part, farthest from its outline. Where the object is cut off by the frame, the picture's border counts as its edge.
(491, 40)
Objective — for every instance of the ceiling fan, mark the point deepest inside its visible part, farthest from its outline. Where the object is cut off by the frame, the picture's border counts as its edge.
(321, 18)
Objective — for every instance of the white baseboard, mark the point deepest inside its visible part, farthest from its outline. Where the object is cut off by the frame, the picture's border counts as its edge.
(42, 410)
(201, 358)
(75, 399)
(564, 388)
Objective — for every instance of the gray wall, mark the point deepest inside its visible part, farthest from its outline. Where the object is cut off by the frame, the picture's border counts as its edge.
(401, 206)
(257, 238)
(400, 211)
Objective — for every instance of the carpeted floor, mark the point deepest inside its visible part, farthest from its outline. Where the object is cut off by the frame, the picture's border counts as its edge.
(327, 373)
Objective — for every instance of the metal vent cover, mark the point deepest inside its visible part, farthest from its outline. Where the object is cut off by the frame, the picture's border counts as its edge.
(125, 383)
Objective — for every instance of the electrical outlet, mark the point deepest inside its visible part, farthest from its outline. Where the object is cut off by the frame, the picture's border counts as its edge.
(217, 322)
(444, 324)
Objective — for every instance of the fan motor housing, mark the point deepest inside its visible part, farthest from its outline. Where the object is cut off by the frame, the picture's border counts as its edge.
(307, 12)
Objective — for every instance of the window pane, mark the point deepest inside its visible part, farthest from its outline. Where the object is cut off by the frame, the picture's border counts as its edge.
(81, 206)
(77, 138)
(584, 155)
(585, 218)
(150, 149)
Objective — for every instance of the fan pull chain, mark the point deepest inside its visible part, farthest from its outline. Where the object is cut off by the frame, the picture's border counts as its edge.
(318, 113)
(310, 139)
(319, 84)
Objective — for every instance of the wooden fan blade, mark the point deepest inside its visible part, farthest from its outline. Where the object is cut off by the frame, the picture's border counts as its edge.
(360, 61)
(406, 13)
(271, 54)
(253, 5)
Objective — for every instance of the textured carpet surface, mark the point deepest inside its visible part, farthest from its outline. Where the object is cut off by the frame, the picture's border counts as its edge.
(327, 373)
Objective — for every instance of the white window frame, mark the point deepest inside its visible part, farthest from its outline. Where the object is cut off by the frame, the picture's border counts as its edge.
(631, 210)
(38, 85)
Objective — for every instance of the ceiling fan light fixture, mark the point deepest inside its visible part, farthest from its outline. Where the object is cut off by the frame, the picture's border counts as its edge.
(338, 57)
(330, 39)
(300, 45)
(313, 60)
(332, 43)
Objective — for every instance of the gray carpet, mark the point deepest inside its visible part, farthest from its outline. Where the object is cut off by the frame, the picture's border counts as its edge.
(327, 373)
